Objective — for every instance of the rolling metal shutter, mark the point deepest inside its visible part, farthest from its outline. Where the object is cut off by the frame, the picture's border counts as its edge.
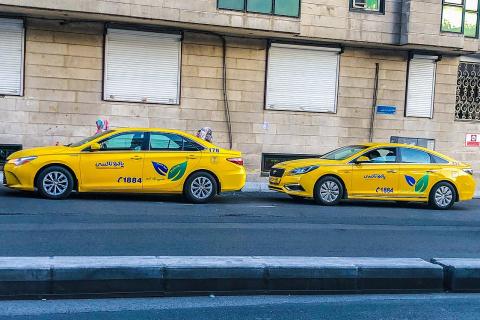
(11, 56)
(421, 86)
(142, 66)
(302, 78)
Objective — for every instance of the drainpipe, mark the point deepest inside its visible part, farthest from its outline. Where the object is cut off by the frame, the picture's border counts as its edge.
(225, 93)
(374, 106)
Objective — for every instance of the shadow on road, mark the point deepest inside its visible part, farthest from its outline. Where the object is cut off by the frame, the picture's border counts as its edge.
(259, 198)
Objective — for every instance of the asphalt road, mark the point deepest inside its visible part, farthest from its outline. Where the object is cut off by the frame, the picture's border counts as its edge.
(367, 307)
(235, 224)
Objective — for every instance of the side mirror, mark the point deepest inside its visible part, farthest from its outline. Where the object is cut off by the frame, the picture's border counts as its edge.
(362, 159)
(95, 146)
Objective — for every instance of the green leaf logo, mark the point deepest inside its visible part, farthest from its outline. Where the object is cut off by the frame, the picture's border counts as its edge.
(177, 172)
(422, 184)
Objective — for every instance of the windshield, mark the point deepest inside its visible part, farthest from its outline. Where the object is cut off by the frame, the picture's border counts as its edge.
(343, 153)
(89, 139)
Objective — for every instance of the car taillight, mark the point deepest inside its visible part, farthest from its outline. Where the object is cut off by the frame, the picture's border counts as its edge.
(238, 161)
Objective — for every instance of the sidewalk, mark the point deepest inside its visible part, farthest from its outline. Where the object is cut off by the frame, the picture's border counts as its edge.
(24, 277)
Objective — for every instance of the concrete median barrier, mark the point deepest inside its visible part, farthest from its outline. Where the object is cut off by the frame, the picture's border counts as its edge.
(83, 276)
(461, 275)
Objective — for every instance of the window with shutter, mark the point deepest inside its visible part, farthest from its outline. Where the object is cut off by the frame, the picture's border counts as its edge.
(142, 66)
(11, 56)
(421, 86)
(302, 78)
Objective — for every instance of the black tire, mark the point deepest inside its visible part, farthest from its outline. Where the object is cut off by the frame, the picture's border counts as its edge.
(63, 186)
(325, 184)
(442, 196)
(191, 189)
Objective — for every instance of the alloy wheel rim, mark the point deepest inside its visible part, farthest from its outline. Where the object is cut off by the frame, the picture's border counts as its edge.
(329, 191)
(55, 183)
(443, 196)
(201, 188)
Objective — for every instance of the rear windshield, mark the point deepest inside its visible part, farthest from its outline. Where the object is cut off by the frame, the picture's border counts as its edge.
(343, 153)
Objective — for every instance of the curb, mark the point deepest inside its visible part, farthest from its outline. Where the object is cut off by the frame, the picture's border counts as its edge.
(25, 277)
(461, 275)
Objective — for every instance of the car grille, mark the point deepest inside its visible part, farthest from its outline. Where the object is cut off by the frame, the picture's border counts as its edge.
(4, 179)
(277, 172)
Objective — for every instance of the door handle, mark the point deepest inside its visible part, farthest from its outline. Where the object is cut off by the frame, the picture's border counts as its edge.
(136, 158)
(431, 171)
(392, 171)
(191, 156)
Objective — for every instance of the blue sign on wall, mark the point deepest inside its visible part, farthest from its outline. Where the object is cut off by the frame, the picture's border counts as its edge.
(386, 109)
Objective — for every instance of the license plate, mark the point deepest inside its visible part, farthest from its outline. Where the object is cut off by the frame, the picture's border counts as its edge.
(274, 180)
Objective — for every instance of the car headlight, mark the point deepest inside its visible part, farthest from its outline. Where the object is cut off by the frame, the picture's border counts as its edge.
(302, 170)
(469, 171)
(20, 161)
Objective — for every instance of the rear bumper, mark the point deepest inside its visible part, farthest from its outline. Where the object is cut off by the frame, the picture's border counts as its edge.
(233, 181)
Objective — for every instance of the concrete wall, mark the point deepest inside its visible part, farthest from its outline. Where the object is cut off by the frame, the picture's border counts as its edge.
(63, 88)
(405, 22)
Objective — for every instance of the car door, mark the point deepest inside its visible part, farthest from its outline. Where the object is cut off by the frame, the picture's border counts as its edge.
(169, 159)
(418, 172)
(377, 177)
(117, 166)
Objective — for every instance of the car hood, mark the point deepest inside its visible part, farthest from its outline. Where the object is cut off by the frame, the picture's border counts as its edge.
(305, 162)
(41, 151)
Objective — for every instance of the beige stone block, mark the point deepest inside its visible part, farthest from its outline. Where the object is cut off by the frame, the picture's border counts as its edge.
(46, 48)
(45, 59)
(88, 97)
(84, 51)
(78, 38)
(84, 62)
(8, 103)
(46, 83)
(51, 95)
(27, 105)
(84, 85)
(50, 118)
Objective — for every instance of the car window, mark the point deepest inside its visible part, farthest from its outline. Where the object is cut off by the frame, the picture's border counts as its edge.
(189, 145)
(343, 153)
(382, 155)
(437, 159)
(166, 141)
(172, 142)
(131, 141)
(414, 156)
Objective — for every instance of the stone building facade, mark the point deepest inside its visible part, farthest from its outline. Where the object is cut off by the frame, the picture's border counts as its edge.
(64, 66)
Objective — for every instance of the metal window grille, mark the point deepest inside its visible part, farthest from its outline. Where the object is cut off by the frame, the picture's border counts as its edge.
(467, 106)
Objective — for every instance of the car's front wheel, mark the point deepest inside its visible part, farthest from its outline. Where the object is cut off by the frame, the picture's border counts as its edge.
(328, 191)
(200, 187)
(442, 196)
(55, 183)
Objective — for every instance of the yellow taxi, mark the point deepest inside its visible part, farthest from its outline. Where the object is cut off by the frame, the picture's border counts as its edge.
(129, 160)
(377, 172)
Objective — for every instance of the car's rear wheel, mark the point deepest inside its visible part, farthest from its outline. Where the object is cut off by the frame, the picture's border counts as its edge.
(200, 187)
(328, 191)
(55, 183)
(442, 196)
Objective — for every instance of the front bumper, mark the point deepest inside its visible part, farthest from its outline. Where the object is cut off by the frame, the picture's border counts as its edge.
(293, 185)
(18, 177)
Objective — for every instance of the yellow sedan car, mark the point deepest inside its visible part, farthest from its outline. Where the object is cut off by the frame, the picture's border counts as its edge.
(377, 172)
(129, 160)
